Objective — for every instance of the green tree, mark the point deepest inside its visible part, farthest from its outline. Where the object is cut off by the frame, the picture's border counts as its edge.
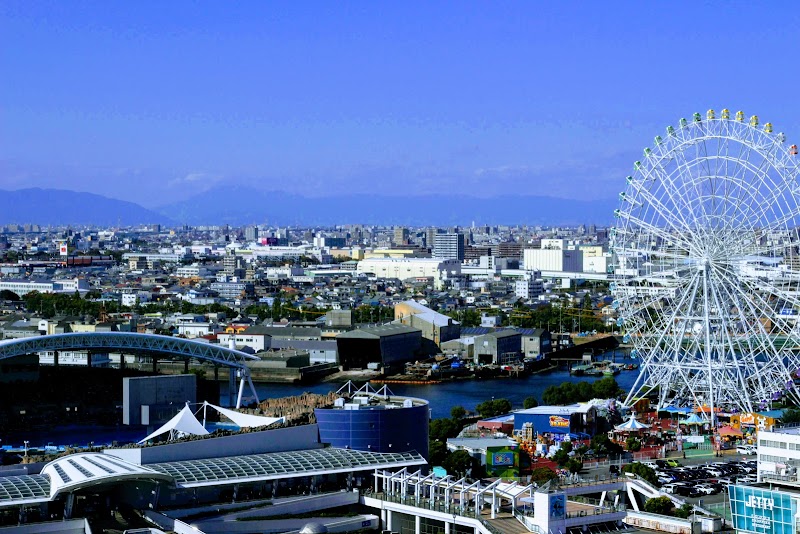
(543, 475)
(461, 464)
(437, 453)
(574, 466)
(457, 413)
(684, 511)
(632, 444)
(530, 402)
(643, 471)
(602, 446)
(659, 505)
(606, 388)
(790, 416)
(491, 408)
(441, 429)
(9, 295)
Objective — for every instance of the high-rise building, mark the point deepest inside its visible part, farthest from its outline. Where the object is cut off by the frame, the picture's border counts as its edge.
(430, 234)
(400, 235)
(251, 233)
(448, 246)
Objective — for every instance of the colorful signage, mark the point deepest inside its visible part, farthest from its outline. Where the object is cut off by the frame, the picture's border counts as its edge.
(556, 421)
(761, 511)
(503, 458)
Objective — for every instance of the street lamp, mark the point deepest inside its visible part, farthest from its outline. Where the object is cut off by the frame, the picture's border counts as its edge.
(26, 448)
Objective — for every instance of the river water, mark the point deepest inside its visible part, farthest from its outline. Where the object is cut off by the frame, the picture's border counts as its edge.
(442, 397)
(467, 393)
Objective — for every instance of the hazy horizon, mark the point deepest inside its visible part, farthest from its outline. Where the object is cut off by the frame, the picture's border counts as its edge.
(153, 103)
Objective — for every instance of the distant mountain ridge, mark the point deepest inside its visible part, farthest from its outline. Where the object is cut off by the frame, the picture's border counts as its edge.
(240, 206)
(62, 207)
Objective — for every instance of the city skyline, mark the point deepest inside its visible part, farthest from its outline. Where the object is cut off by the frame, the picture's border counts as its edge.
(313, 99)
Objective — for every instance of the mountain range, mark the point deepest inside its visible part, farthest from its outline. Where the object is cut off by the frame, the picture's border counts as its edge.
(62, 207)
(240, 206)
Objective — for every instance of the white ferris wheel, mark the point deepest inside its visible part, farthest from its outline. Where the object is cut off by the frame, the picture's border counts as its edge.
(707, 268)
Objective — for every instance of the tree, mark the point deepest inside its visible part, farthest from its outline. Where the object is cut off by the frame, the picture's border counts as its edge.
(684, 511)
(603, 446)
(437, 453)
(441, 429)
(457, 413)
(461, 464)
(606, 388)
(9, 295)
(491, 408)
(790, 416)
(561, 457)
(574, 466)
(543, 475)
(642, 471)
(530, 402)
(632, 444)
(659, 505)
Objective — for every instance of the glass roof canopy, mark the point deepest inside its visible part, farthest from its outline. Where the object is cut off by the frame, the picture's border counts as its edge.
(210, 471)
(25, 488)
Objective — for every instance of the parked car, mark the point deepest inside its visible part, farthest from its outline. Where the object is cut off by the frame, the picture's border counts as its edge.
(705, 490)
(687, 491)
(746, 449)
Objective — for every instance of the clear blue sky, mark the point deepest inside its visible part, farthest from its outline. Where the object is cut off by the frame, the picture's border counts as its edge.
(154, 101)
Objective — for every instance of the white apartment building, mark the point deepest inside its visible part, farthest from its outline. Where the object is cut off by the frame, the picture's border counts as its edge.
(405, 268)
(22, 287)
(552, 259)
(529, 287)
(779, 454)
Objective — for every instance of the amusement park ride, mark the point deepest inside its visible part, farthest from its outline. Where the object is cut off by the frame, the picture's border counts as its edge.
(707, 269)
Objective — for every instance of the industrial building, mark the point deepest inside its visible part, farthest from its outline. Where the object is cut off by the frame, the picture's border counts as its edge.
(387, 346)
(499, 348)
(435, 326)
(407, 268)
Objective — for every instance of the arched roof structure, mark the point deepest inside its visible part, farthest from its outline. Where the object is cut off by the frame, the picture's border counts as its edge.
(127, 342)
(76, 471)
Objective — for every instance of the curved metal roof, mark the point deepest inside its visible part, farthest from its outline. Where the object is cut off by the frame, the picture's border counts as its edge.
(127, 341)
(233, 469)
(76, 471)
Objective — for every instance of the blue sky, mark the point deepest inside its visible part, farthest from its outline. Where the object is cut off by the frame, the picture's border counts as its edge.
(154, 102)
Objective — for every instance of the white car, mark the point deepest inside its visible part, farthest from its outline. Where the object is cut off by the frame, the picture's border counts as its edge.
(746, 449)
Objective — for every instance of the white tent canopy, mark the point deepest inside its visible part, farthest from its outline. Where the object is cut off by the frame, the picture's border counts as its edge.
(182, 424)
(244, 420)
(631, 425)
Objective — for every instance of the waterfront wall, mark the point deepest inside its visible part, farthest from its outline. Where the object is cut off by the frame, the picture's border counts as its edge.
(279, 440)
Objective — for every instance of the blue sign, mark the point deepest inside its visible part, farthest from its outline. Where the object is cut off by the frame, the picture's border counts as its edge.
(760, 511)
(558, 506)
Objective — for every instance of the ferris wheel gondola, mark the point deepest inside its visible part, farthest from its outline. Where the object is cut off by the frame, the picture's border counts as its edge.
(707, 265)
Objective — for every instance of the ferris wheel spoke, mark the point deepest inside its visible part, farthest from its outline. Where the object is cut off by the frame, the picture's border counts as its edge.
(711, 214)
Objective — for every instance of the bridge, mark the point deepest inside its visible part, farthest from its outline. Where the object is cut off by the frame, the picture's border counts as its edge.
(130, 342)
